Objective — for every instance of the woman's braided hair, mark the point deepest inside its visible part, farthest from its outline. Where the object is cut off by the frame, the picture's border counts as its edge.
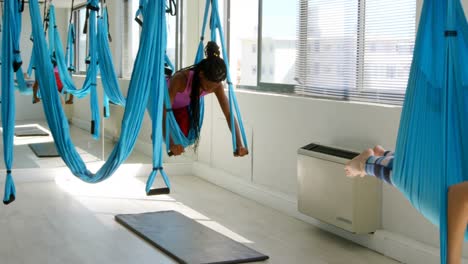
(214, 69)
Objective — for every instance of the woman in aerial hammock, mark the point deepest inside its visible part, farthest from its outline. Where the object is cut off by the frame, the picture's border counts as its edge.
(378, 162)
(188, 85)
(59, 87)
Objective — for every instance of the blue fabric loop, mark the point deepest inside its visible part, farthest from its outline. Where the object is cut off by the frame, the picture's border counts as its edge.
(108, 74)
(172, 128)
(10, 190)
(147, 75)
(56, 47)
(10, 42)
(70, 54)
(174, 131)
(432, 151)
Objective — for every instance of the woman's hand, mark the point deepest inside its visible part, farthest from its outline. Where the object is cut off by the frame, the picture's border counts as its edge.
(241, 151)
(176, 150)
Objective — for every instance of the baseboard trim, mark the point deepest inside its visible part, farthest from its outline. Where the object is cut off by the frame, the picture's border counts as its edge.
(181, 165)
(81, 123)
(392, 245)
(86, 126)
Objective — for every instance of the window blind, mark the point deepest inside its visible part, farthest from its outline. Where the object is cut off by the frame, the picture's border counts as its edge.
(357, 50)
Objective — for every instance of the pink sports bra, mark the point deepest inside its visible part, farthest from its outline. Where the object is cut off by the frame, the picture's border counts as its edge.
(183, 99)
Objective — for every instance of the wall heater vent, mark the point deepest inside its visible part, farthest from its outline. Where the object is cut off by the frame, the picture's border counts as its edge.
(326, 194)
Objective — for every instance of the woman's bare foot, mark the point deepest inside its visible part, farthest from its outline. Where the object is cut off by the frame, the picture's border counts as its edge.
(36, 100)
(69, 101)
(356, 166)
(379, 150)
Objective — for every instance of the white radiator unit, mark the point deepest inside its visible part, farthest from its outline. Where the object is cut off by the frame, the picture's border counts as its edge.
(326, 194)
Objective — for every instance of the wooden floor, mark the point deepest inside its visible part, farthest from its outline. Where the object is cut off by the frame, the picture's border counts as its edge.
(67, 221)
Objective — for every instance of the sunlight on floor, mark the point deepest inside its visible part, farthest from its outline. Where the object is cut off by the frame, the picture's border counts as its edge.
(124, 186)
(33, 139)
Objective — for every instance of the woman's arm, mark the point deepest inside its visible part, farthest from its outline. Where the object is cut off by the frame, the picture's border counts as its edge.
(224, 104)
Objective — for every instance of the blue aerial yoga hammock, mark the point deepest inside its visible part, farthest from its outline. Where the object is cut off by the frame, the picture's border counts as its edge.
(432, 147)
(174, 130)
(108, 74)
(90, 84)
(10, 62)
(155, 106)
(32, 66)
(70, 53)
(100, 42)
(147, 76)
(20, 84)
(233, 105)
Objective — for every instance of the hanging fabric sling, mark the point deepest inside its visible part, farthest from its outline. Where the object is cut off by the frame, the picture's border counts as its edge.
(8, 98)
(172, 127)
(11, 61)
(155, 106)
(32, 66)
(109, 78)
(70, 54)
(175, 133)
(17, 63)
(147, 75)
(156, 102)
(20, 83)
(432, 147)
(58, 56)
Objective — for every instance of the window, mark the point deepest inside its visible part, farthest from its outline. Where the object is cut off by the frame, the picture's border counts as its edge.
(278, 41)
(243, 33)
(81, 39)
(263, 51)
(81, 43)
(171, 37)
(365, 49)
(131, 36)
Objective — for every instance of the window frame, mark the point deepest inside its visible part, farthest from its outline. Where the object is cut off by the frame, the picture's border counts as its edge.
(179, 34)
(266, 87)
(76, 22)
(178, 40)
(289, 89)
(281, 88)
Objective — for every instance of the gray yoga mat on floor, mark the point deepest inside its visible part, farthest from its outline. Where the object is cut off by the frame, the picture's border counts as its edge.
(29, 132)
(45, 150)
(186, 240)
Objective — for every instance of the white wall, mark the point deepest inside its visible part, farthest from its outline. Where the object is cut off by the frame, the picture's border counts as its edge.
(278, 125)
